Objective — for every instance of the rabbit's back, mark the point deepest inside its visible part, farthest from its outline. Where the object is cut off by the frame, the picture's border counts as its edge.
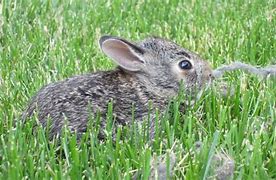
(77, 99)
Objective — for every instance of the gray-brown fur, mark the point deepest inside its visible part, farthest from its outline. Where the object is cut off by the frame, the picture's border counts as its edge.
(148, 72)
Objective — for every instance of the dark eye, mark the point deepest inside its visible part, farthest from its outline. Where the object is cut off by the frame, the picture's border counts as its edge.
(185, 64)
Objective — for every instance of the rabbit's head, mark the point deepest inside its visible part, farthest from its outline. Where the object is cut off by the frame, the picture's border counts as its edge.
(159, 64)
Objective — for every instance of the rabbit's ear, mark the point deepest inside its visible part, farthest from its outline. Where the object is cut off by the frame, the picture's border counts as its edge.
(125, 54)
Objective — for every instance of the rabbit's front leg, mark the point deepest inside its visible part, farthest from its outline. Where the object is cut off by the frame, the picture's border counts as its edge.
(155, 125)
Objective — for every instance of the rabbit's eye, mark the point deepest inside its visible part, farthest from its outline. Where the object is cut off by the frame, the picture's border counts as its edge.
(185, 64)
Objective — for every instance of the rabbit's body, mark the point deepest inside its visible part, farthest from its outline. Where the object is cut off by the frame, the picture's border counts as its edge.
(77, 99)
(150, 71)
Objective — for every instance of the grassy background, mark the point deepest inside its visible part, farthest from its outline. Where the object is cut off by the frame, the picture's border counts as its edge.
(45, 41)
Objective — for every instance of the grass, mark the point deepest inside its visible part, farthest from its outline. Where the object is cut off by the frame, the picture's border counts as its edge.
(46, 41)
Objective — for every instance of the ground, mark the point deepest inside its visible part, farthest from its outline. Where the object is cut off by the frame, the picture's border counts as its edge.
(46, 41)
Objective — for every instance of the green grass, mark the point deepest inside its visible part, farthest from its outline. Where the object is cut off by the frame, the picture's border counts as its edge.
(46, 41)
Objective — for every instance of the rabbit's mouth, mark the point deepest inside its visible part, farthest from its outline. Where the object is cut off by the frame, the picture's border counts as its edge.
(204, 80)
(196, 85)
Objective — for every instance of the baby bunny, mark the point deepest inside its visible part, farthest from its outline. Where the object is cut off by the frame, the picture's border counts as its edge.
(149, 71)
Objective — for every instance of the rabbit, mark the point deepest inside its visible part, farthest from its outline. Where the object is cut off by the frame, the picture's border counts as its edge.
(149, 71)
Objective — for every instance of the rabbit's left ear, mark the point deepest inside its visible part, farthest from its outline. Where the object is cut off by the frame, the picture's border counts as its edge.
(125, 54)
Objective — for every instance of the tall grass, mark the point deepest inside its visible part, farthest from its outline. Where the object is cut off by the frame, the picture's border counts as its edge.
(43, 41)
